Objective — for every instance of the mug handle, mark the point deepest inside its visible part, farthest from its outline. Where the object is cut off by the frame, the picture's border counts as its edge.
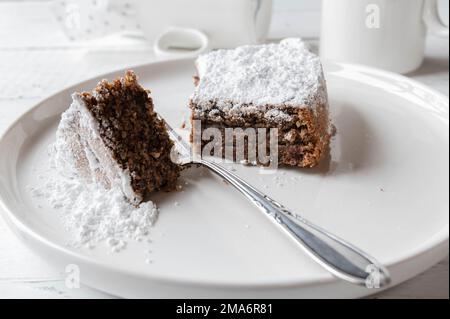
(433, 20)
(176, 42)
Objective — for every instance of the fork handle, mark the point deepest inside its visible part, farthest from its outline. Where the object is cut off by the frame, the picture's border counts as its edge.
(334, 254)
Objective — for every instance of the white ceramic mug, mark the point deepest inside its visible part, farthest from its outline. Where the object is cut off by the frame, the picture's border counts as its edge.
(187, 28)
(387, 34)
(176, 27)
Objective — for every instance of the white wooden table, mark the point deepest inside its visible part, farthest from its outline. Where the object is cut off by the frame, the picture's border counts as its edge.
(37, 60)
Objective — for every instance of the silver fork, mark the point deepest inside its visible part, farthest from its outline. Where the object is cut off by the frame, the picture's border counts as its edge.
(340, 258)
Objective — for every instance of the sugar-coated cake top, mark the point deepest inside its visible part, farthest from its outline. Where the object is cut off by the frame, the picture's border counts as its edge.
(259, 75)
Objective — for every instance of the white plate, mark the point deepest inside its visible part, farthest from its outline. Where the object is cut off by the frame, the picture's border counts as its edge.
(385, 189)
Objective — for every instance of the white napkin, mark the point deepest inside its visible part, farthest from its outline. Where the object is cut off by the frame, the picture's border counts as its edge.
(88, 19)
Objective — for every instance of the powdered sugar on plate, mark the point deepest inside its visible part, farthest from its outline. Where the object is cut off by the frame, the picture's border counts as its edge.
(93, 214)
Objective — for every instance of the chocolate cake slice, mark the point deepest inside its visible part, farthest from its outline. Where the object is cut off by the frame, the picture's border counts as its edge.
(113, 136)
(278, 86)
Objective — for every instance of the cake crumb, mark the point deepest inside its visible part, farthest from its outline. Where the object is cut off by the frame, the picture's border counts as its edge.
(245, 162)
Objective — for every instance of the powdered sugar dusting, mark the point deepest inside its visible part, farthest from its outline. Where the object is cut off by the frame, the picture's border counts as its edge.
(256, 76)
(277, 115)
(94, 214)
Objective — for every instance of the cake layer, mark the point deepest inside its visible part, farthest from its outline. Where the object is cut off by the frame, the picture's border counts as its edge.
(305, 124)
(300, 145)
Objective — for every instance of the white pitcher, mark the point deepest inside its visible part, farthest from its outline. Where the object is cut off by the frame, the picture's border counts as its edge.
(388, 34)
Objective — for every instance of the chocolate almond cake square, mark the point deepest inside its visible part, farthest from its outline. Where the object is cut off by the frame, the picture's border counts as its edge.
(278, 86)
